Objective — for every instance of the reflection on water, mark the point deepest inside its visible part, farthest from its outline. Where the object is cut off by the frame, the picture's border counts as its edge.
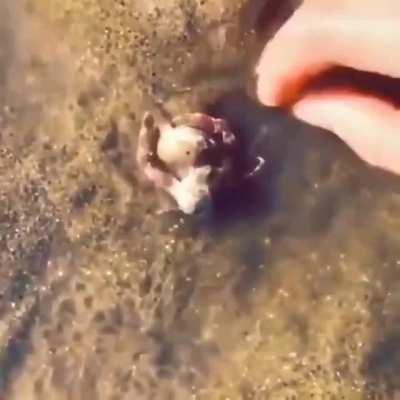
(288, 289)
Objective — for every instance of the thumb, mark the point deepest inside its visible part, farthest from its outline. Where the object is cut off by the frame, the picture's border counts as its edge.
(370, 126)
(312, 42)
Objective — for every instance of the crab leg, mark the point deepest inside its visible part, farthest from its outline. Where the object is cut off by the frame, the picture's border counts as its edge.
(198, 121)
(257, 168)
(207, 124)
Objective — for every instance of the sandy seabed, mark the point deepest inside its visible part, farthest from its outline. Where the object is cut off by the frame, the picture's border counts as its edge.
(103, 299)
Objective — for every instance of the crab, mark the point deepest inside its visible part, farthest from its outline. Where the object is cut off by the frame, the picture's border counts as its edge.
(186, 158)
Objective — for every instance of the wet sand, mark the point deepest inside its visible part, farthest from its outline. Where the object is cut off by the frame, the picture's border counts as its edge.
(287, 290)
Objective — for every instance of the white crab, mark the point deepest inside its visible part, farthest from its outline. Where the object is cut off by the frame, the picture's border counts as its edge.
(183, 157)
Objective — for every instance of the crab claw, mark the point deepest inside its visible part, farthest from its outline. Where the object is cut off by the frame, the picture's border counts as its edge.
(148, 138)
(146, 154)
(192, 189)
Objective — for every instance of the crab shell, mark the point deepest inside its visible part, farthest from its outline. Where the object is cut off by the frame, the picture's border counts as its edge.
(179, 147)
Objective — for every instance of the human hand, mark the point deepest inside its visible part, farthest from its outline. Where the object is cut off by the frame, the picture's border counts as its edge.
(359, 34)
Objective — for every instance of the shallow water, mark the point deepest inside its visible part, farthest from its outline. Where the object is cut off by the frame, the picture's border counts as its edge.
(287, 290)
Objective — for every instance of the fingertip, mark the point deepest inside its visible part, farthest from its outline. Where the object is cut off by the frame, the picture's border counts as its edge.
(312, 111)
(368, 125)
(265, 86)
(277, 76)
(285, 67)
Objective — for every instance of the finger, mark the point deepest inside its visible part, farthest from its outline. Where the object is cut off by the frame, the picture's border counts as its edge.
(310, 43)
(371, 127)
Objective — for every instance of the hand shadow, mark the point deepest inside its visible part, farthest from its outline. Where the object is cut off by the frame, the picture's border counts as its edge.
(302, 163)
